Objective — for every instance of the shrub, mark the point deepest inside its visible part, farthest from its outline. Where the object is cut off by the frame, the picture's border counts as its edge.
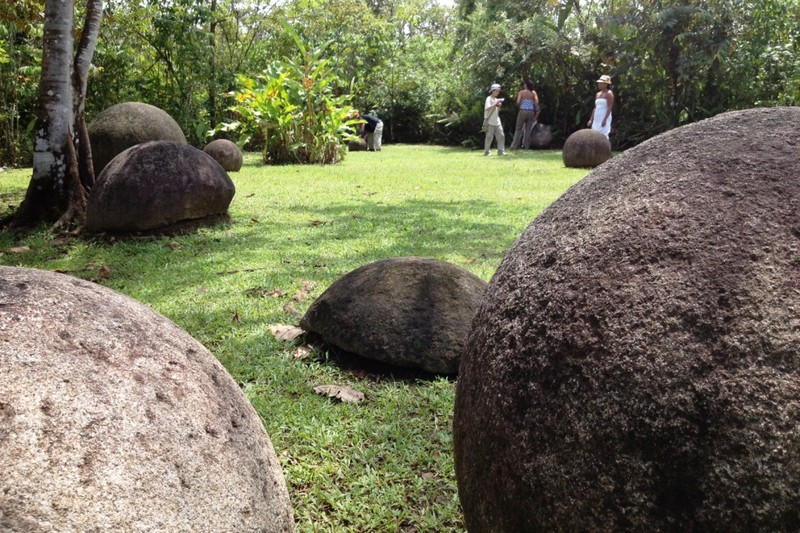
(295, 107)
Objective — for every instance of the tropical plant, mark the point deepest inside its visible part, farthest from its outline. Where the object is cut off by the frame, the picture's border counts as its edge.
(296, 108)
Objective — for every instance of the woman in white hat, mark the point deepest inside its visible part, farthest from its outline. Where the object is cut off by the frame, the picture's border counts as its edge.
(603, 104)
(491, 121)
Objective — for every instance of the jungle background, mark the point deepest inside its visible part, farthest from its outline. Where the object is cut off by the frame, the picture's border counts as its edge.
(421, 65)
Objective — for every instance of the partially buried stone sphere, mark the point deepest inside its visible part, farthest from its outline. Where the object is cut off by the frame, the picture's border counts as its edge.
(634, 364)
(410, 312)
(586, 148)
(156, 185)
(127, 124)
(114, 419)
(226, 153)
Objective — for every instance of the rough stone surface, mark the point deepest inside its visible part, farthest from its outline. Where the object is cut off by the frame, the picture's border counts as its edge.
(124, 125)
(586, 149)
(155, 185)
(226, 153)
(114, 419)
(408, 311)
(357, 146)
(634, 364)
(541, 136)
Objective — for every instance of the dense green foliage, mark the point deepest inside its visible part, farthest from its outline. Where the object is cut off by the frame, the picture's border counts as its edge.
(425, 67)
(293, 108)
(385, 464)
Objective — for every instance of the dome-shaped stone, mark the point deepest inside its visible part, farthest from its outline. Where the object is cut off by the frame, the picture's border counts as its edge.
(155, 185)
(114, 419)
(359, 145)
(406, 311)
(124, 125)
(226, 153)
(586, 148)
(634, 364)
(541, 136)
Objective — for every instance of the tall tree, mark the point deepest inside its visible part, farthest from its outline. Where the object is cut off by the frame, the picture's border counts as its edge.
(62, 168)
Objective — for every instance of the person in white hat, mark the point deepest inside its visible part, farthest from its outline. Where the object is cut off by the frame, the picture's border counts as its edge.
(603, 104)
(491, 121)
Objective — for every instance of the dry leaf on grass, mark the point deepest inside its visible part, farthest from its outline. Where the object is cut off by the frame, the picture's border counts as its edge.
(302, 352)
(340, 392)
(305, 289)
(283, 332)
(289, 308)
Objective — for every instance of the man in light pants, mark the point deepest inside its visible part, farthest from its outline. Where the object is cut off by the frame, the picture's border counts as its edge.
(372, 132)
(491, 117)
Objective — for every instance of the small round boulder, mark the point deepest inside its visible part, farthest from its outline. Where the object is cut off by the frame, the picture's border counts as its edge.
(114, 419)
(634, 363)
(541, 136)
(156, 185)
(586, 148)
(127, 124)
(359, 145)
(409, 312)
(226, 153)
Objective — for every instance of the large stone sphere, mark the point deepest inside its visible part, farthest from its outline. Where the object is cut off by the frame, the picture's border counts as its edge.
(157, 185)
(114, 419)
(586, 148)
(124, 125)
(409, 312)
(226, 153)
(634, 364)
(541, 136)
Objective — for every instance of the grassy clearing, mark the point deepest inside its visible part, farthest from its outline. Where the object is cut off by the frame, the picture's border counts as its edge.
(385, 464)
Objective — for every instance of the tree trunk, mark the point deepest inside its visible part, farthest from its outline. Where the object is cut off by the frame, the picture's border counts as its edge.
(59, 186)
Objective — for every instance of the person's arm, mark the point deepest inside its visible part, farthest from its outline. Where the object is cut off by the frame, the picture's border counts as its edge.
(610, 99)
(536, 106)
(591, 117)
(519, 98)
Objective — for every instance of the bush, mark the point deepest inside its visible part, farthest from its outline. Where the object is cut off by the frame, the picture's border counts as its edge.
(296, 109)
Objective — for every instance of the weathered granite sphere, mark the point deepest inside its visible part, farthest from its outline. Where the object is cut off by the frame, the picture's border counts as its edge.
(541, 136)
(127, 124)
(409, 312)
(586, 148)
(156, 185)
(634, 364)
(226, 153)
(359, 145)
(114, 419)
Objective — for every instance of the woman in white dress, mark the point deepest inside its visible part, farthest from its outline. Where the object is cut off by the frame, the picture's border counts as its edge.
(603, 104)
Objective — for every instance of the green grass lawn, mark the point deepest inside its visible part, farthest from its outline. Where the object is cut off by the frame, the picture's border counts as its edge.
(382, 465)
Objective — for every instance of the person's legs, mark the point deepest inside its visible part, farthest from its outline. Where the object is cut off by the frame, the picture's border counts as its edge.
(501, 140)
(370, 138)
(378, 135)
(530, 122)
(487, 144)
(521, 119)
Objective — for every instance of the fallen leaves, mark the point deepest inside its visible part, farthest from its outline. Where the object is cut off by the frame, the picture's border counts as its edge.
(284, 332)
(340, 392)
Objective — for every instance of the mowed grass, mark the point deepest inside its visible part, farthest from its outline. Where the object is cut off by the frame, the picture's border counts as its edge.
(382, 465)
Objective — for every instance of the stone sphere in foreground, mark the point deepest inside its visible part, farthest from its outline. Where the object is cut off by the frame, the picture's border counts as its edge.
(586, 148)
(634, 364)
(114, 419)
(157, 185)
(127, 124)
(226, 153)
(409, 312)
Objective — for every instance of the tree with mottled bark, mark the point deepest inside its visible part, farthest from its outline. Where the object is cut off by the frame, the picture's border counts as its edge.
(62, 167)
